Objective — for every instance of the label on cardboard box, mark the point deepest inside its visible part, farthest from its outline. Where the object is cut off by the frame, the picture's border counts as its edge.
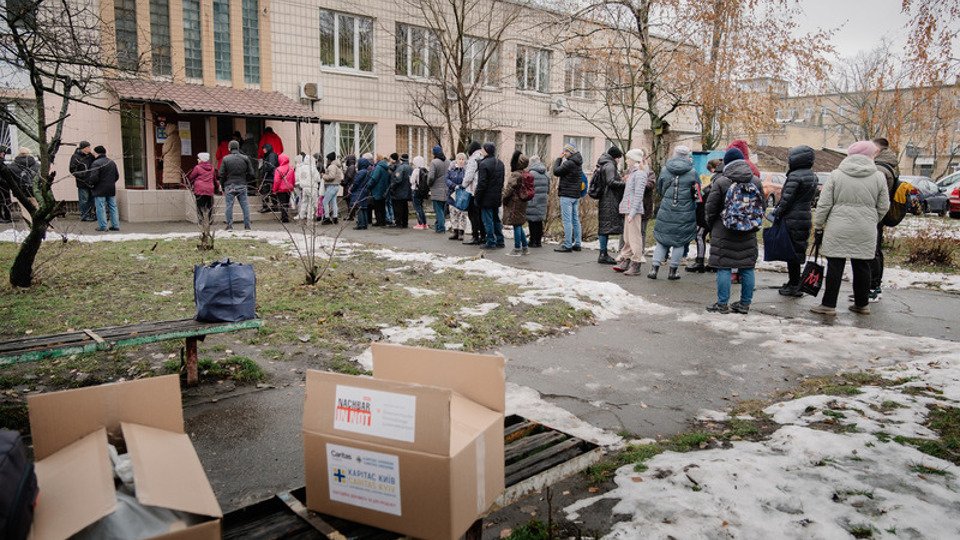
(372, 412)
(363, 478)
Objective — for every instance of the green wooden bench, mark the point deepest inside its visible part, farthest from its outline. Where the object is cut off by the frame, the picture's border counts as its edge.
(33, 348)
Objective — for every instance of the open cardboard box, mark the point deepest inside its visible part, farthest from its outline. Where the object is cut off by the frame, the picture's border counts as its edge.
(70, 433)
(417, 449)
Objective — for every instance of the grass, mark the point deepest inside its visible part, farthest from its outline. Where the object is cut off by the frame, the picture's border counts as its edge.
(237, 368)
(533, 530)
(945, 421)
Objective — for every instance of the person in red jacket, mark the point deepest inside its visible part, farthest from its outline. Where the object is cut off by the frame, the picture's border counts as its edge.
(284, 178)
(271, 138)
(741, 145)
(204, 182)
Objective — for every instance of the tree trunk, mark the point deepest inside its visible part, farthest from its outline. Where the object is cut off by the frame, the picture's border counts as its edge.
(21, 273)
(711, 128)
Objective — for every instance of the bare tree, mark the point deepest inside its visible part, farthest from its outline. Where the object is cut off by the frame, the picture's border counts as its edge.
(54, 48)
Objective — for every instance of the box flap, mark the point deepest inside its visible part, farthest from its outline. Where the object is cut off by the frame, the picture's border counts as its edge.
(401, 415)
(468, 421)
(76, 488)
(479, 377)
(60, 418)
(167, 471)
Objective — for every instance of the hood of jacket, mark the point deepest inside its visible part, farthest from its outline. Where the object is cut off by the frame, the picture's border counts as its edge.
(577, 158)
(351, 160)
(858, 166)
(676, 166)
(310, 161)
(738, 171)
(419, 162)
(887, 157)
(741, 145)
(382, 164)
(801, 157)
(284, 160)
(523, 161)
(538, 167)
(267, 148)
(25, 161)
(334, 163)
(363, 163)
(205, 165)
(606, 158)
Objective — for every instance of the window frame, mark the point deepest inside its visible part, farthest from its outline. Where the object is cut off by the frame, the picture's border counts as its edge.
(406, 54)
(334, 132)
(584, 145)
(161, 63)
(540, 142)
(361, 26)
(125, 26)
(533, 59)
(222, 57)
(192, 55)
(577, 79)
(491, 69)
(250, 33)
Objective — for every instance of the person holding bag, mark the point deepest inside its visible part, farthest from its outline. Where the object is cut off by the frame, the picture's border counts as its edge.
(454, 181)
(793, 211)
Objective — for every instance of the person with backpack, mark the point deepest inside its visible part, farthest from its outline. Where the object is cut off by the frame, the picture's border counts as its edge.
(569, 169)
(607, 187)
(853, 201)
(470, 176)
(517, 192)
(632, 209)
(26, 168)
(796, 199)
(421, 190)
(887, 163)
(284, 179)
(454, 181)
(676, 224)
(436, 180)
(537, 207)
(734, 213)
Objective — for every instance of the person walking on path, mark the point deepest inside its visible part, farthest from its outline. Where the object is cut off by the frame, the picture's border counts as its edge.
(853, 200)
(436, 178)
(419, 173)
(514, 207)
(309, 181)
(732, 249)
(360, 194)
(80, 169)
(676, 224)
(400, 193)
(610, 191)
(887, 163)
(537, 207)
(104, 176)
(204, 181)
(234, 171)
(796, 198)
(454, 180)
(569, 169)
(490, 178)
(632, 209)
(332, 177)
(475, 155)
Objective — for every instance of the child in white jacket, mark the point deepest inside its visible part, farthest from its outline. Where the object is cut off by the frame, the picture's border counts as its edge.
(308, 180)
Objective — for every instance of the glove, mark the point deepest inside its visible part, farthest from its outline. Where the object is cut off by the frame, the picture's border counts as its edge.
(818, 236)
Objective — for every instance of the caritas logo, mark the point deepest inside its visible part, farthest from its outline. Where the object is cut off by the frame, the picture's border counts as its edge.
(354, 411)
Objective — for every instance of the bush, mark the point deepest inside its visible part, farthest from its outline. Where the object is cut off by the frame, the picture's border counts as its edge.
(932, 248)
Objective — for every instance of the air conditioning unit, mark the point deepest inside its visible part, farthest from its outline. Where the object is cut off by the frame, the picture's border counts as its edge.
(311, 90)
(558, 105)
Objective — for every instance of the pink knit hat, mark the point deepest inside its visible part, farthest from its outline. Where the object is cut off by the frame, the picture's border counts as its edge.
(863, 148)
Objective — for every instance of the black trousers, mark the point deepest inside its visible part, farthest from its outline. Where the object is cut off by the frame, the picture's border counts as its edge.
(283, 200)
(793, 270)
(476, 223)
(876, 265)
(204, 209)
(380, 211)
(861, 281)
(536, 233)
(401, 213)
(6, 198)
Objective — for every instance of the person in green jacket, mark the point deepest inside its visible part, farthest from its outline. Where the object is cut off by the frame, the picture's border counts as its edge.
(379, 182)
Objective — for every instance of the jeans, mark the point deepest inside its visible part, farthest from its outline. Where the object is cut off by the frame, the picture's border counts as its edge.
(570, 215)
(519, 237)
(86, 203)
(747, 283)
(238, 191)
(418, 208)
(330, 209)
(388, 203)
(660, 253)
(604, 239)
(861, 281)
(491, 223)
(104, 204)
(440, 209)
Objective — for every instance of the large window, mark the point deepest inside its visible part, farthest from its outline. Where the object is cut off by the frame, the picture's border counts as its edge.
(415, 141)
(578, 78)
(418, 52)
(533, 69)
(221, 39)
(131, 138)
(533, 144)
(346, 41)
(482, 136)
(251, 41)
(585, 147)
(160, 36)
(482, 59)
(347, 138)
(20, 112)
(192, 39)
(125, 21)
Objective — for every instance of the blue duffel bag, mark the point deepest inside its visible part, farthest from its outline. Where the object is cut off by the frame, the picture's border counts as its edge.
(225, 291)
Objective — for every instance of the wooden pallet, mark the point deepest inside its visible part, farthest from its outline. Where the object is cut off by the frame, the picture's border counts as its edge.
(535, 456)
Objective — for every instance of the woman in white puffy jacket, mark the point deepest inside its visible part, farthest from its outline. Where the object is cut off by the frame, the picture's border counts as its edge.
(308, 180)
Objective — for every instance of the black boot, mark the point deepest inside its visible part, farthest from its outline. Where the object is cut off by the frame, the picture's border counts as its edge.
(674, 273)
(653, 272)
(605, 258)
(697, 266)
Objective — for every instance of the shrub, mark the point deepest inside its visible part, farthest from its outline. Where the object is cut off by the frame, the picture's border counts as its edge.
(932, 248)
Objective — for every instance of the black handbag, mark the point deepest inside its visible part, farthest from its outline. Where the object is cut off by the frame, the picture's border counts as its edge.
(811, 280)
(225, 292)
(777, 245)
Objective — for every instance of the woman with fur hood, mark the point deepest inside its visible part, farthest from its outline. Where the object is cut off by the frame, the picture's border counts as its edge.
(515, 208)
(308, 180)
(454, 180)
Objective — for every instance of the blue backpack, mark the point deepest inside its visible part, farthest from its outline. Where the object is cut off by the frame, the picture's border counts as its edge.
(742, 207)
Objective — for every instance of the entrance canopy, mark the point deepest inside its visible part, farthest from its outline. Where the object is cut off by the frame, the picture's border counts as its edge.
(214, 100)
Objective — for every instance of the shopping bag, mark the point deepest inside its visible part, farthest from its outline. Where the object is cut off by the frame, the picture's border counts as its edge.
(811, 280)
(777, 245)
(461, 199)
(225, 292)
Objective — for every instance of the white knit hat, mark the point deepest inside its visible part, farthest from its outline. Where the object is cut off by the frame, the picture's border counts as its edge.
(636, 155)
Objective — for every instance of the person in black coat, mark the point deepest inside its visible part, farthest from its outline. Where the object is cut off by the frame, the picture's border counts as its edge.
(103, 176)
(79, 167)
(399, 192)
(490, 176)
(609, 193)
(569, 169)
(270, 163)
(794, 209)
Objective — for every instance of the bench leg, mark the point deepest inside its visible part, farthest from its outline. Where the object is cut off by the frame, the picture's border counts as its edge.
(193, 377)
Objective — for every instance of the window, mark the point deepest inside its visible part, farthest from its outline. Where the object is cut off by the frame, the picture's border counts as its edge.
(131, 139)
(251, 41)
(825, 111)
(585, 147)
(192, 39)
(347, 138)
(125, 21)
(418, 52)
(778, 114)
(533, 69)
(841, 112)
(482, 136)
(620, 88)
(346, 41)
(534, 144)
(415, 141)
(482, 60)
(793, 113)
(807, 113)
(221, 39)
(577, 78)
(160, 36)
(23, 113)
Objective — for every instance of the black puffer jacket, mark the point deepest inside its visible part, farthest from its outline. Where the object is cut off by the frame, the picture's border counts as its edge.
(104, 174)
(570, 172)
(609, 218)
(797, 196)
(730, 249)
(490, 177)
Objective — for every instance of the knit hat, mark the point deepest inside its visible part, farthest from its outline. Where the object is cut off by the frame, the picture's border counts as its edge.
(83, 144)
(437, 150)
(863, 148)
(404, 157)
(472, 147)
(203, 156)
(395, 156)
(332, 156)
(489, 148)
(614, 152)
(233, 145)
(100, 150)
(570, 147)
(681, 152)
(635, 155)
(732, 155)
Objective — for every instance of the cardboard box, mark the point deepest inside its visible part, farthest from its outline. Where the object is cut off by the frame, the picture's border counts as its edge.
(417, 449)
(70, 432)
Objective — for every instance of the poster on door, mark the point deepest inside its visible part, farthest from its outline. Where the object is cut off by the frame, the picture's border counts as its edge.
(186, 146)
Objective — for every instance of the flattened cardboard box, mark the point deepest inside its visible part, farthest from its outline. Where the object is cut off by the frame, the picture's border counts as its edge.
(70, 432)
(417, 449)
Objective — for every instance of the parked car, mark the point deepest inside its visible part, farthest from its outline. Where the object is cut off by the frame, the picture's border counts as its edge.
(951, 180)
(821, 178)
(955, 202)
(929, 197)
(772, 187)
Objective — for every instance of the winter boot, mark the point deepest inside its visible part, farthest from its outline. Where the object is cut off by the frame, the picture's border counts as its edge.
(605, 258)
(623, 266)
(455, 235)
(634, 269)
(697, 266)
(653, 272)
(674, 273)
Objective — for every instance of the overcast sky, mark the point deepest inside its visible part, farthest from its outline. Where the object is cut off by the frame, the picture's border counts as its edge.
(864, 22)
